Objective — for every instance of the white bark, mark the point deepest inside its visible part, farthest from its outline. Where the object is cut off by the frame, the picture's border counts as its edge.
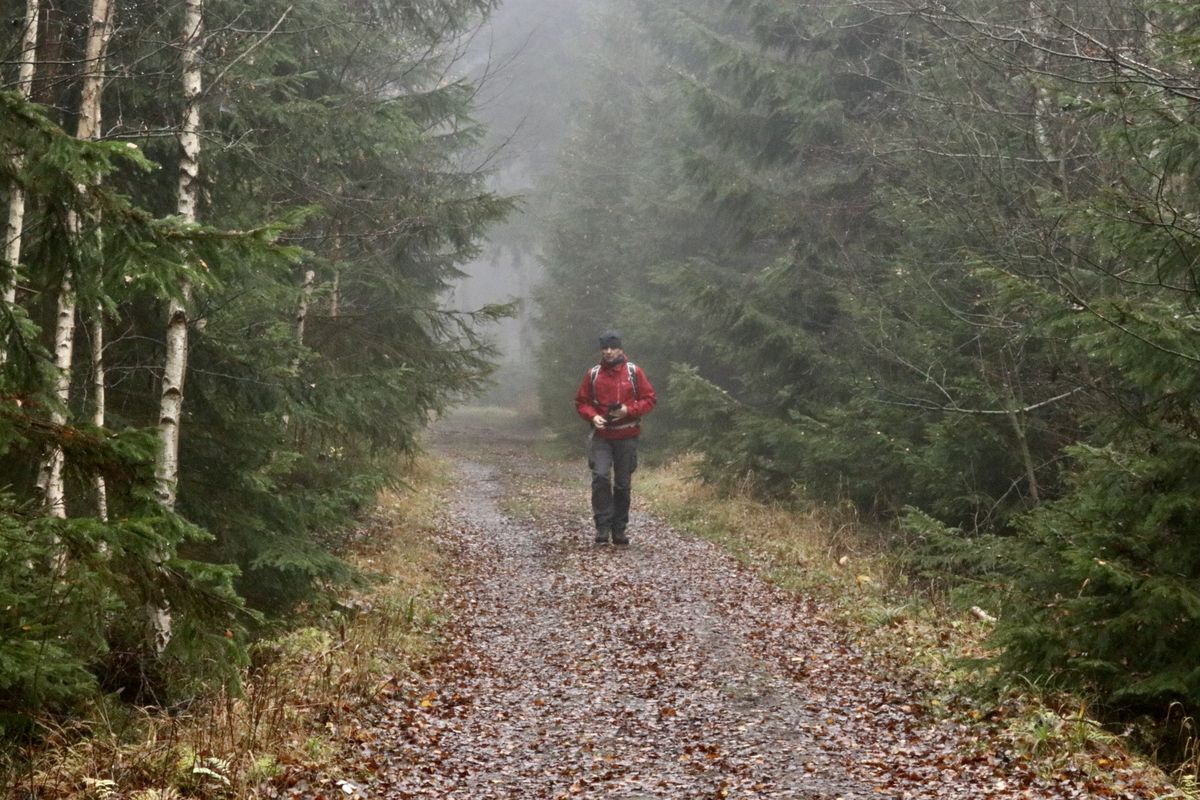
(89, 128)
(99, 32)
(333, 294)
(99, 402)
(1043, 107)
(171, 401)
(306, 293)
(302, 311)
(50, 477)
(982, 615)
(175, 364)
(160, 621)
(16, 193)
(334, 298)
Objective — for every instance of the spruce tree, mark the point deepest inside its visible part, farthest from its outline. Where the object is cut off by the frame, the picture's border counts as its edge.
(337, 149)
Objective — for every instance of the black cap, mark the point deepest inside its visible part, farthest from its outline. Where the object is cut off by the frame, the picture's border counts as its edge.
(610, 338)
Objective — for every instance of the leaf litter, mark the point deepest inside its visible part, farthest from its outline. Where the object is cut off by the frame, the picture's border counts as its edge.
(660, 670)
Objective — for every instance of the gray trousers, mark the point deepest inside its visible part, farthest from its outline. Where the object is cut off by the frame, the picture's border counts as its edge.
(612, 462)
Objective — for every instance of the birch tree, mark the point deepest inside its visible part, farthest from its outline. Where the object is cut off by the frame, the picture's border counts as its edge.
(50, 477)
(99, 395)
(98, 38)
(16, 193)
(312, 96)
(175, 363)
(306, 292)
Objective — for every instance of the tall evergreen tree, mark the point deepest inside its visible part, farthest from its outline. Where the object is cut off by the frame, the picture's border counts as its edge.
(925, 258)
(335, 124)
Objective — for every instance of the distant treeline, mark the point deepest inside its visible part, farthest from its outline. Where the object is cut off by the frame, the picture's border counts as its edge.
(937, 260)
(230, 225)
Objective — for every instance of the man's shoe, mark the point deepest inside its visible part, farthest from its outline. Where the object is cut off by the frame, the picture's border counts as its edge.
(619, 537)
(602, 536)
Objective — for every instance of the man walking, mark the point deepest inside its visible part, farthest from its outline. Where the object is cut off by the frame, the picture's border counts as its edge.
(613, 397)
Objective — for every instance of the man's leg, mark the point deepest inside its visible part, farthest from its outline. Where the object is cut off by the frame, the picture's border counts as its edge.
(624, 465)
(600, 461)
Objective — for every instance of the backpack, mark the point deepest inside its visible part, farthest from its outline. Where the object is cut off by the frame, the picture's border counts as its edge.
(632, 379)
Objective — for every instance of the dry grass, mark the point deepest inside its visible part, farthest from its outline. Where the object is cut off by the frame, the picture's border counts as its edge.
(296, 697)
(853, 570)
(831, 555)
(828, 553)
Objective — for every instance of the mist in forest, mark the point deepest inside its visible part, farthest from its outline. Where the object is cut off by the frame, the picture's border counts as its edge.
(518, 60)
(935, 266)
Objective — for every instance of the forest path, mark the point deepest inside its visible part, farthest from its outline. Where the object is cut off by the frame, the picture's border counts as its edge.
(660, 670)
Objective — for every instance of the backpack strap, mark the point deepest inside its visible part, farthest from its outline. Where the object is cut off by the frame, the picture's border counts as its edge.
(594, 372)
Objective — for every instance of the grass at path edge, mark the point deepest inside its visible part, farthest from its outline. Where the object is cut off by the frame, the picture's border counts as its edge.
(293, 713)
(839, 560)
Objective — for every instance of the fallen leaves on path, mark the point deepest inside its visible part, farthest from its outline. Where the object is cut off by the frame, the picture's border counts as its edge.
(661, 670)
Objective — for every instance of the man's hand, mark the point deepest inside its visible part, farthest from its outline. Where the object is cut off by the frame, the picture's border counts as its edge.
(599, 422)
(620, 412)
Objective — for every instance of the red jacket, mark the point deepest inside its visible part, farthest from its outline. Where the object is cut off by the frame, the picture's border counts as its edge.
(613, 386)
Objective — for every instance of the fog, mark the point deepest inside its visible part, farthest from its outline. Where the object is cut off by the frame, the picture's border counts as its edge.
(517, 59)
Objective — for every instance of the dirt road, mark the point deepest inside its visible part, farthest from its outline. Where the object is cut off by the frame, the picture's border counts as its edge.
(661, 670)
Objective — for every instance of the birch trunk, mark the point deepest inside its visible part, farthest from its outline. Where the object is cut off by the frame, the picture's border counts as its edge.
(170, 413)
(301, 317)
(1043, 107)
(336, 287)
(51, 474)
(99, 402)
(89, 128)
(15, 229)
(175, 365)
(333, 294)
(306, 293)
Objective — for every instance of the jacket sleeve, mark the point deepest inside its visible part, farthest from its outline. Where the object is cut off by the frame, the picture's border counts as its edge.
(647, 399)
(583, 400)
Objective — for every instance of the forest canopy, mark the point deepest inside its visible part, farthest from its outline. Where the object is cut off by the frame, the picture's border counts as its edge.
(230, 229)
(938, 261)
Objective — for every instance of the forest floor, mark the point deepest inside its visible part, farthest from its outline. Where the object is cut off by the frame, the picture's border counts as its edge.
(665, 669)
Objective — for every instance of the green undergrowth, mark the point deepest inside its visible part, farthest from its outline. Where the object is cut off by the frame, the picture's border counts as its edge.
(855, 571)
(295, 700)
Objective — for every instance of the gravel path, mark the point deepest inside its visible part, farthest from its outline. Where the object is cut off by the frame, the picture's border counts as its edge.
(661, 670)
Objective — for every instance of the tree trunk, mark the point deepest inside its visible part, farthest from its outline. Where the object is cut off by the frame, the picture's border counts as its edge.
(302, 312)
(175, 364)
(50, 476)
(1043, 107)
(89, 128)
(99, 408)
(336, 259)
(1035, 494)
(16, 193)
(333, 294)
(301, 316)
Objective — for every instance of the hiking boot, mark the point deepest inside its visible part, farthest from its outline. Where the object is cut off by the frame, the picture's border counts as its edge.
(619, 537)
(602, 536)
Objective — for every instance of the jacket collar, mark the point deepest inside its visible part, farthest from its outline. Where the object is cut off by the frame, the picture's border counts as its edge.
(619, 362)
